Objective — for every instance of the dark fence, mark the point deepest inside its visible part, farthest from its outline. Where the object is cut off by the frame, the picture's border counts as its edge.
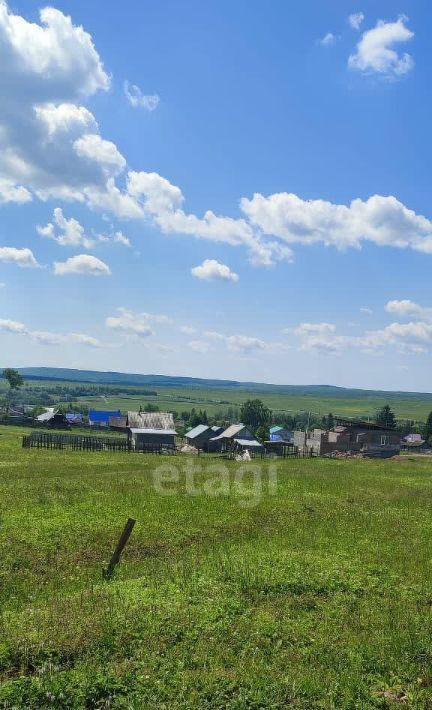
(45, 440)
(74, 442)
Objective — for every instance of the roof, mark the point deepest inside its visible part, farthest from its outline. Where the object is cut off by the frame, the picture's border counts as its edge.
(197, 431)
(413, 437)
(134, 430)
(102, 415)
(359, 424)
(47, 416)
(150, 420)
(230, 432)
(248, 442)
(73, 417)
(275, 429)
(119, 422)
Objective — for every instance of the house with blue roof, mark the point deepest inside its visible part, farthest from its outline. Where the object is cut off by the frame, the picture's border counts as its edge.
(101, 417)
(279, 433)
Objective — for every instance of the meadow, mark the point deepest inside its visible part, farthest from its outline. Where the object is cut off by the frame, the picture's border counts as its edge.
(313, 594)
(347, 403)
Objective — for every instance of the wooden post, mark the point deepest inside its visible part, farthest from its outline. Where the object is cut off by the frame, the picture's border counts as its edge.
(115, 559)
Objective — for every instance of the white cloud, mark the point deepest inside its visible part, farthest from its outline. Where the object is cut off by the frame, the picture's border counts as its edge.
(237, 343)
(46, 337)
(70, 231)
(50, 147)
(199, 346)
(355, 20)
(314, 328)
(163, 202)
(187, 329)
(120, 238)
(328, 39)
(20, 257)
(375, 53)
(128, 321)
(366, 311)
(95, 149)
(45, 69)
(12, 326)
(212, 270)
(13, 193)
(413, 337)
(81, 264)
(406, 308)
(381, 220)
(137, 99)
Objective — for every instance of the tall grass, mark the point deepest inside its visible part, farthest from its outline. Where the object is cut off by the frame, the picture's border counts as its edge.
(317, 597)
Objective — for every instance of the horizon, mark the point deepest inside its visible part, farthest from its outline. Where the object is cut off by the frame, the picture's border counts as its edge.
(214, 379)
(259, 213)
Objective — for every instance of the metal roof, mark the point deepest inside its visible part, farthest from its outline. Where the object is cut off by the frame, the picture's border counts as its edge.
(48, 415)
(248, 442)
(102, 415)
(150, 420)
(230, 432)
(134, 430)
(196, 431)
(275, 429)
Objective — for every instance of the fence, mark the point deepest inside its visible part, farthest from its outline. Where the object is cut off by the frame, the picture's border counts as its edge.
(42, 440)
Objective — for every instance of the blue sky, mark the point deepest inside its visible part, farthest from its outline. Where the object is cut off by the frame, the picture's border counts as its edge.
(218, 189)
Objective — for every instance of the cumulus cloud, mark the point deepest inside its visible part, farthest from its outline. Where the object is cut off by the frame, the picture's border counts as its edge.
(187, 329)
(315, 328)
(415, 337)
(132, 323)
(355, 20)
(237, 343)
(46, 69)
(81, 264)
(163, 202)
(406, 308)
(199, 346)
(51, 147)
(20, 257)
(12, 326)
(46, 337)
(381, 220)
(137, 99)
(69, 232)
(212, 270)
(120, 238)
(375, 53)
(328, 40)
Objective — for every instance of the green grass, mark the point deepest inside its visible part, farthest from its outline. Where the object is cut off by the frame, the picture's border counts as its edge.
(319, 596)
(350, 405)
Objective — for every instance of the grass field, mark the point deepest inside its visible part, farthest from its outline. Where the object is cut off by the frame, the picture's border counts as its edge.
(316, 595)
(349, 405)
(280, 399)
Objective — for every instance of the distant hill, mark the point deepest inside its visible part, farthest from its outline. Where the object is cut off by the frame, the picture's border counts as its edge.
(121, 378)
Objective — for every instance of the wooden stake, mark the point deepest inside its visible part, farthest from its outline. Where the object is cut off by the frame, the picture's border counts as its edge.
(115, 559)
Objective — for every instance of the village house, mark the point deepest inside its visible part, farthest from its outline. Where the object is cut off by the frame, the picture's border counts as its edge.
(200, 436)
(236, 438)
(370, 439)
(101, 417)
(280, 434)
(151, 431)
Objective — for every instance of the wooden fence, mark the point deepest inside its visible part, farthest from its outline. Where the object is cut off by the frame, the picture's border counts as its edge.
(46, 440)
(71, 442)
